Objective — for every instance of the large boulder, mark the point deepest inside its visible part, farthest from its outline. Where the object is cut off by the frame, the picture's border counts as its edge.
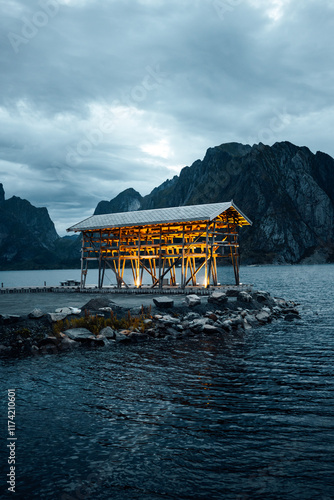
(78, 333)
(218, 298)
(193, 300)
(198, 324)
(57, 316)
(98, 303)
(244, 297)
(36, 313)
(163, 302)
(64, 310)
(263, 317)
(108, 332)
(261, 296)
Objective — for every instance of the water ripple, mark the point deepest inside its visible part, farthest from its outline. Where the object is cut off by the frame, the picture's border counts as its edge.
(242, 418)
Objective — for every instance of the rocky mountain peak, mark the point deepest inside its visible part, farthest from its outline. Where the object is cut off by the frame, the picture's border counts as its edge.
(27, 235)
(286, 190)
(127, 201)
(2, 194)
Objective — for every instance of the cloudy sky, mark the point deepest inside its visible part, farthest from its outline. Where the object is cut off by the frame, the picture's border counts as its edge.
(100, 95)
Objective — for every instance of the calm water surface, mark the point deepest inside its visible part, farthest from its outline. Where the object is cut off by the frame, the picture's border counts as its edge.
(243, 418)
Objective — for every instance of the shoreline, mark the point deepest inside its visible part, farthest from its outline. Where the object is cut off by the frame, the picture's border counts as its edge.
(103, 321)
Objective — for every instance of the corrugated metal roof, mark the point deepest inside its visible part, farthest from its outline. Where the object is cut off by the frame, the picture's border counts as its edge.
(190, 213)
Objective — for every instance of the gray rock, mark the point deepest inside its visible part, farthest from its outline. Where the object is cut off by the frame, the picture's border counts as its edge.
(210, 329)
(36, 313)
(64, 310)
(57, 316)
(66, 343)
(237, 321)
(244, 297)
(120, 337)
(251, 320)
(263, 316)
(280, 302)
(261, 296)
(290, 310)
(78, 333)
(192, 315)
(197, 324)
(246, 325)
(163, 302)
(193, 300)
(74, 310)
(227, 325)
(98, 340)
(108, 332)
(169, 320)
(218, 298)
(98, 303)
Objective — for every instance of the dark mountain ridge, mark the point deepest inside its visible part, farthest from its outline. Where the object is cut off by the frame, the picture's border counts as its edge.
(28, 238)
(286, 190)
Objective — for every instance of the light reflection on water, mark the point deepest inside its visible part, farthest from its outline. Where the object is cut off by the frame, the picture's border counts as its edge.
(245, 417)
(54, 277)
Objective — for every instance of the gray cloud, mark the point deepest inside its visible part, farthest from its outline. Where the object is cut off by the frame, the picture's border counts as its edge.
(97, 96)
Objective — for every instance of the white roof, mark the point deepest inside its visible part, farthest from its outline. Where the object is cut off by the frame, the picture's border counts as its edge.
(206, 212)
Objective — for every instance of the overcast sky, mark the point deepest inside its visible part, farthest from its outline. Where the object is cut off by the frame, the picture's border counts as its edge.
(100, 95)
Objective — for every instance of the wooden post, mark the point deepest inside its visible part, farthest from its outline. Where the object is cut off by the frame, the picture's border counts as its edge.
(206, 277)
(160, 280)
(183, 280)
(83, 278)
(211, 255)
(119, 282)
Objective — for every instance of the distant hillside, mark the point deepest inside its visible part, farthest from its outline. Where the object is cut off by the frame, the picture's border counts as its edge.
(286, 190)
(28, 239)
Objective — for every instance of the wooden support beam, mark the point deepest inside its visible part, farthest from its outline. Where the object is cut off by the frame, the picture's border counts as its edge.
(158, 249)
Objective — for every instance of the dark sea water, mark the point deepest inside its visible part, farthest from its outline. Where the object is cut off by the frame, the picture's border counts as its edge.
(251, 417)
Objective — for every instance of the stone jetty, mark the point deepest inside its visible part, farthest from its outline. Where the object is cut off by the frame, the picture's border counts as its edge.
(101, 322)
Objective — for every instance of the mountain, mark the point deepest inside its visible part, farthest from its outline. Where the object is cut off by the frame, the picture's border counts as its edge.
(126, 201)
(28, 238)
(286, 190)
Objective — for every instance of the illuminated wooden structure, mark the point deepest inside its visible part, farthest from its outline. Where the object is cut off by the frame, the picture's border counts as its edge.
(156, 242)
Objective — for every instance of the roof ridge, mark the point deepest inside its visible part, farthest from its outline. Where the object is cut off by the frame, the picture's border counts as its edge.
(182, 213)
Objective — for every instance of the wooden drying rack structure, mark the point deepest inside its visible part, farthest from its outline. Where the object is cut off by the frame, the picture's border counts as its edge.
(157, 249)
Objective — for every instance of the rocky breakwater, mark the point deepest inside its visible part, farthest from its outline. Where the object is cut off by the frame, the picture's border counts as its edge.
(101, 323)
